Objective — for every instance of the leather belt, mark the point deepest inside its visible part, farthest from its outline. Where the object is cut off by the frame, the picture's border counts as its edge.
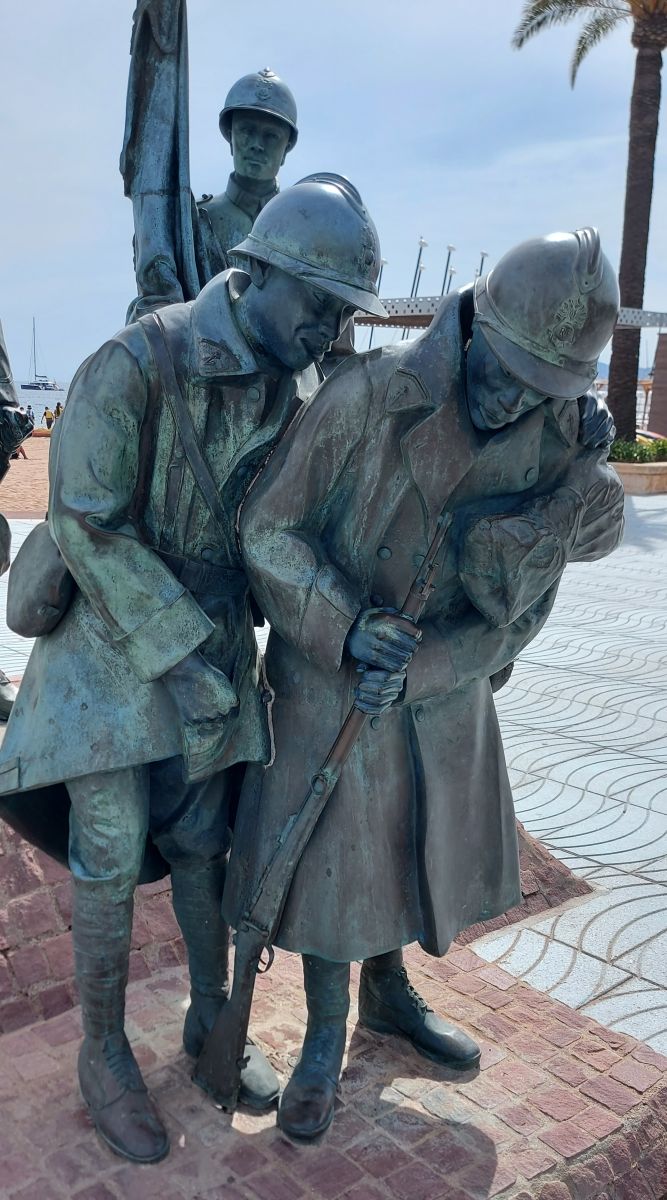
(199, 576)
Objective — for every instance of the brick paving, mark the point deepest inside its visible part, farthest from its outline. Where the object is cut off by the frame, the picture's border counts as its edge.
(562, 1109)
(25, 488)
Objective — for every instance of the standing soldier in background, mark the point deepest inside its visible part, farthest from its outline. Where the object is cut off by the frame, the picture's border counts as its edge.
(180, 245)
(259, 122)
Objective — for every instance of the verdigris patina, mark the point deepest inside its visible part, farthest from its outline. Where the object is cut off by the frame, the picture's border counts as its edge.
(479, 420)
(259, 122)
(180, 245)
(146, 699)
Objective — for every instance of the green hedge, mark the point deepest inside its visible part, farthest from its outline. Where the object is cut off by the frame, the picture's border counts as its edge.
(639, 452)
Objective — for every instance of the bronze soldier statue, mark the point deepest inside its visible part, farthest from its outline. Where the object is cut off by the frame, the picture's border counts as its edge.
(478, 422)
(154, 669)
(179, 245)
(259, 122)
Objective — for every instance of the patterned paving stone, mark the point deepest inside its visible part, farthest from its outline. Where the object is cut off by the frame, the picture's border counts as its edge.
(584, 723)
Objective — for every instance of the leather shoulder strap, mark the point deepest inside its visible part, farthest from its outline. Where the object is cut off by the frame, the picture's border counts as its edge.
(187, 433)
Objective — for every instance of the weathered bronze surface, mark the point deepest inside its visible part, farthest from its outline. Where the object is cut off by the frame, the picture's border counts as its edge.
(418, 839)
(179, 244)
(153, 666)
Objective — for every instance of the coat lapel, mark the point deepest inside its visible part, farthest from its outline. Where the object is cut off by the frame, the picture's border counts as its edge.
(441, 447)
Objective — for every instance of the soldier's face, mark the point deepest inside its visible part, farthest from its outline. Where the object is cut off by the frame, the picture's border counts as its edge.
(297, 323)
(495, 398)
(259, 144)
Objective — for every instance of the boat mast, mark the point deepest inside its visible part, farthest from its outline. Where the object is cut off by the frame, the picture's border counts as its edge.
(33, 355)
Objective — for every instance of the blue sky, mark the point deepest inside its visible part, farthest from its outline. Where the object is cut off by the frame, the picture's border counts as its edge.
(446, 131)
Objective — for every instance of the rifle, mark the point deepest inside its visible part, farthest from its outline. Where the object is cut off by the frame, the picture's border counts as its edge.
(218, 1069)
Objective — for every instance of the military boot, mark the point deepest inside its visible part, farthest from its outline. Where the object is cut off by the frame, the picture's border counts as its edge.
(111, 1084)
(388, 1003)
(197, 895)
(307, 1104)
(118, 1101)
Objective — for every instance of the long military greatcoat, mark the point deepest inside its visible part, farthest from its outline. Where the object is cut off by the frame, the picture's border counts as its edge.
(156, 577)
(418, 840)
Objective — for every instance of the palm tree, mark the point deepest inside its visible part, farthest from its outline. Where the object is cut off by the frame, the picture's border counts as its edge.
(649, 37)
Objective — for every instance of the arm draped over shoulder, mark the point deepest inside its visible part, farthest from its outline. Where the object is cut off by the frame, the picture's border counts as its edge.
(306, 599)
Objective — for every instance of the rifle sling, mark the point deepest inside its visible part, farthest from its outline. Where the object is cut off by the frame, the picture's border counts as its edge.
(154, 330)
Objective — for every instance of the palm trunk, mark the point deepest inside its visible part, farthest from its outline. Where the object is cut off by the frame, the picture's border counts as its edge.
(644, 111)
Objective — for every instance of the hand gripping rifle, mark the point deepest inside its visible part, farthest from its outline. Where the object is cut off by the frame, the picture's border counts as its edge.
(218, 1070)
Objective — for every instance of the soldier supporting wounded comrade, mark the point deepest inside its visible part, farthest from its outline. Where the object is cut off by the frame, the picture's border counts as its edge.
(154, 667)
(479, 418)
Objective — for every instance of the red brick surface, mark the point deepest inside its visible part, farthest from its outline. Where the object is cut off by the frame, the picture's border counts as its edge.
(36, 960)
(405, 1129)
(37, 969)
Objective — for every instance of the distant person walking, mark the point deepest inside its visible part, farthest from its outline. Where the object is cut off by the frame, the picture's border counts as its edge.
(47, 418)
(30, 413)
(59, 410)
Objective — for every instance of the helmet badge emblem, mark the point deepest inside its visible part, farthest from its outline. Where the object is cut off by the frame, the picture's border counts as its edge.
(264, 85)
(569, 319)
(366, 257)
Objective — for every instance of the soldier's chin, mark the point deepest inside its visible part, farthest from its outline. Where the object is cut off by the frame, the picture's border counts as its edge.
(303, 356)
(484, 420)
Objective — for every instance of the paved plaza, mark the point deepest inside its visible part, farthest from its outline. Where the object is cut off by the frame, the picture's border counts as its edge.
(570, 1006)
(585, 730)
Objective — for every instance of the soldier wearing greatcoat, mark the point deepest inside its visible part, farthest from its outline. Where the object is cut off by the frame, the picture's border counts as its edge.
(479, 419)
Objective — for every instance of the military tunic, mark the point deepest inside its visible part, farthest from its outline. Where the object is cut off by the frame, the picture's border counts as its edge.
(157, 578)
(227, 219)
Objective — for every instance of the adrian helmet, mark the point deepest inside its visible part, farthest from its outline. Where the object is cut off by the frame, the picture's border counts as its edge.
(320, 231)
(261, 92)
(547, 310)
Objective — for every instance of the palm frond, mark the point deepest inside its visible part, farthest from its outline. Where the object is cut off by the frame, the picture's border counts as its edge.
(543, 14)
(595, 29)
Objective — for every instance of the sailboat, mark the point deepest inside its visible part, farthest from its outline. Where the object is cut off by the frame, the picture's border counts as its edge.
(38, 383)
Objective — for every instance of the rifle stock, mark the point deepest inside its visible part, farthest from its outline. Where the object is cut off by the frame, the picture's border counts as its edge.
(218, 1070)
(219, 1066)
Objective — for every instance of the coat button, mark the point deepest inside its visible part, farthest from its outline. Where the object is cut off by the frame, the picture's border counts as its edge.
(419, 714)
(377, 601)
(267, 696)
(384, 552)
(531, 475)
(208, 554)
(253, 393)
(375, 722)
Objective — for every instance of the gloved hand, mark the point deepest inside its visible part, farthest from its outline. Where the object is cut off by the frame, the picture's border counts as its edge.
(380, 638)
(199, 691)
(378, 690)
(596, 429)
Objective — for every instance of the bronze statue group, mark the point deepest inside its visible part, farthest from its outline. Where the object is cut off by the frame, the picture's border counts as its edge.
(216, 480)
